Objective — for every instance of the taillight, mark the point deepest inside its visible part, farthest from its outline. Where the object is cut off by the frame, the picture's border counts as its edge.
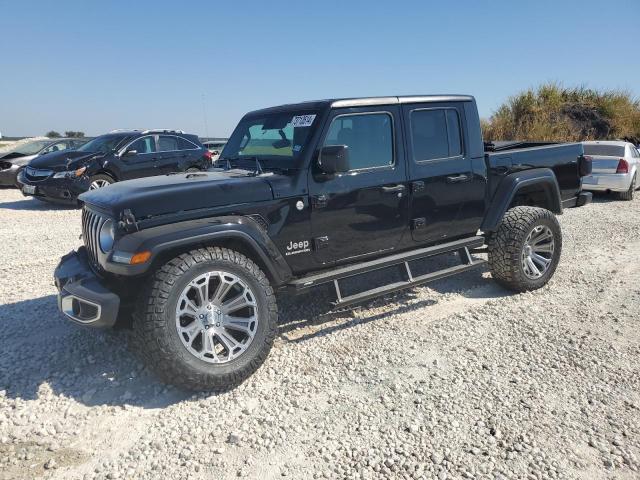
(623, 166)
(208, 156)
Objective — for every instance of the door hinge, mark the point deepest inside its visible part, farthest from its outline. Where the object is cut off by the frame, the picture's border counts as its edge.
(321, 242)
(417, 186)
(319, 201)
(418, 223)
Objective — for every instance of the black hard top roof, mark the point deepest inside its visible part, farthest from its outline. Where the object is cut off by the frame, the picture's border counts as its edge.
(365, 101)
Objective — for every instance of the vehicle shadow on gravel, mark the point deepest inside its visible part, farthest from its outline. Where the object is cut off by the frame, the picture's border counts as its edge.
(35, 205)
(42, 354)
(603, 197)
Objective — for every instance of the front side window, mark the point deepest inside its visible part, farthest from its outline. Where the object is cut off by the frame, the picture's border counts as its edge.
(143, 145)
(369, 138)
(56, 147)
(435, 133)
(167, 143)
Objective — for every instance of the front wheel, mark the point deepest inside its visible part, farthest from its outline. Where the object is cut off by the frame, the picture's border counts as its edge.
(207, 320)
(99, 181)
(525, 250)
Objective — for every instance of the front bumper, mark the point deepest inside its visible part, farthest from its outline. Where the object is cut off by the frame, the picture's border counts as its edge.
(59, 190)
(82, 296)
(9, 176)
(604, 182)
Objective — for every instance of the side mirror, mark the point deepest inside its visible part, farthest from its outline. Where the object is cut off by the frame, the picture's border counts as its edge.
(129, 153)
(334, 159)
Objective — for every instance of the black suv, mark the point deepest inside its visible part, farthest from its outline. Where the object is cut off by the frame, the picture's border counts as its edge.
(120, 155)
(312, 193)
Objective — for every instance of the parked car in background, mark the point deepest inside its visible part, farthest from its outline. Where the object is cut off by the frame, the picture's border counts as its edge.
(615, 168)
(15, 159)
(120, 155)
(215, 147)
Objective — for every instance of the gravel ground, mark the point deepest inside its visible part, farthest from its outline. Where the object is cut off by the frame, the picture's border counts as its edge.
(459, 379)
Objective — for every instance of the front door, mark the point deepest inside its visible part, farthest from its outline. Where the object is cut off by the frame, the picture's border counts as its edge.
(144, 162)
(364, 211)
(447, 196)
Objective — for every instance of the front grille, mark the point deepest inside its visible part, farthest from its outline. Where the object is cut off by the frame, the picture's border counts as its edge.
(35, 174)
(91, 225)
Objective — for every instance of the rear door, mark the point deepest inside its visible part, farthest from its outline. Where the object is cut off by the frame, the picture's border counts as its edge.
(447, 198)
(169, 154)
(364, 211)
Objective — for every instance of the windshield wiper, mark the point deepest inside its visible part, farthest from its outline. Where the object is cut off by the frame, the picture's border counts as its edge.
(258, 169)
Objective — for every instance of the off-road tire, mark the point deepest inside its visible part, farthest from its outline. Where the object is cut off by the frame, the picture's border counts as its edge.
(505, 247)
(102, 177)
(628, 195)
(154, 334)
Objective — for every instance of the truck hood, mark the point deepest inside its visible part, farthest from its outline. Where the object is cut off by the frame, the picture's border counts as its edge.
(151, 196)
(63, 160)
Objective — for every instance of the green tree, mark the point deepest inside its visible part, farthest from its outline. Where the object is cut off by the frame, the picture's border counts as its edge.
(73, 134)
(53, 134)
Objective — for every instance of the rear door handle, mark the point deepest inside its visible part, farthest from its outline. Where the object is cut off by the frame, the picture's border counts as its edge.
(458, 178)
(394, 189)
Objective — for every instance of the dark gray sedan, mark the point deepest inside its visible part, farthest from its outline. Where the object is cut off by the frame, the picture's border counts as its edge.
(15, 159)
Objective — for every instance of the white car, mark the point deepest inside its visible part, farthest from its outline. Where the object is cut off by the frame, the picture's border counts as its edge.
(615, 168)
(215, 147)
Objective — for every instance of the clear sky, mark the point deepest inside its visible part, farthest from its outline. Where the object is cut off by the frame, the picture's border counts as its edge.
(95, 66)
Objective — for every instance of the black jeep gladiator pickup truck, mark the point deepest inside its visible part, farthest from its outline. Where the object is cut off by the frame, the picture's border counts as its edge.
(311, 193)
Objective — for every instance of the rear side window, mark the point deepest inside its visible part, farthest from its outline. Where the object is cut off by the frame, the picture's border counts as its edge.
(369, 138)
(435, 133)
(604, 150)
(184, 144)
(167, 143)
(143, 145)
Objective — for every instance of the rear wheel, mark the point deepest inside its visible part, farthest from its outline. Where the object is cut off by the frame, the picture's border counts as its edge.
(525, 250)
(207, 320)
(99, 181)
(628, 195)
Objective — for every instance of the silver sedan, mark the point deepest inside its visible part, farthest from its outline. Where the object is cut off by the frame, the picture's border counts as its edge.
(615, 168)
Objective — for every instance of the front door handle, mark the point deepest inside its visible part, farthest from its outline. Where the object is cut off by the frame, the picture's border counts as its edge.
(394, 189)
(458, 178)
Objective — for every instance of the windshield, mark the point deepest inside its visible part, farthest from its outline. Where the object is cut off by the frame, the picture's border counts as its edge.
(604, 150)
(102, 144)
(31, 148)
(274, 136)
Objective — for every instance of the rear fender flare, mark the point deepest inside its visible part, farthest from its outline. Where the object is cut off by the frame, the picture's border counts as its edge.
(543, 178)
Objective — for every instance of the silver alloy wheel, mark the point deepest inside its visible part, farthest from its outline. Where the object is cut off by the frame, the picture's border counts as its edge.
(216, 317)
(98, 184)
(537, 252)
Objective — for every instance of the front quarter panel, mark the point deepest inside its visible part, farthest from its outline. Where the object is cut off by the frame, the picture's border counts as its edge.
(181, 236)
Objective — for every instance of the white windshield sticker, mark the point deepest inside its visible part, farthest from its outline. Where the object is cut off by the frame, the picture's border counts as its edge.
(302, 120)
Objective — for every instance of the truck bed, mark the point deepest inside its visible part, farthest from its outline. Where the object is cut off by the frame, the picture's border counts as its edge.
(512, 157)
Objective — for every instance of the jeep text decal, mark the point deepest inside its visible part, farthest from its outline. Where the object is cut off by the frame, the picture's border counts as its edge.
(298, 247)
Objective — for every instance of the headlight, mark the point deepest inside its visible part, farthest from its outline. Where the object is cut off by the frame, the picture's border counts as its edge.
(71, 173)
(106, 236)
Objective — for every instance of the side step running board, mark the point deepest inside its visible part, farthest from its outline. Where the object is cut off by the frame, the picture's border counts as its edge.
(335, 275)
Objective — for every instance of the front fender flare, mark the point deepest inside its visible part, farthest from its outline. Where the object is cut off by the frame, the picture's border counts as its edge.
(193, 233)
(515, 182)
